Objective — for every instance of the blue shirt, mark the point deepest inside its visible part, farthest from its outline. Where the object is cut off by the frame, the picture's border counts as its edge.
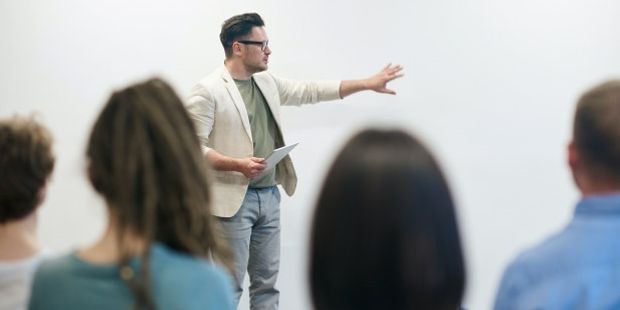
(578, 268)
(178, 281)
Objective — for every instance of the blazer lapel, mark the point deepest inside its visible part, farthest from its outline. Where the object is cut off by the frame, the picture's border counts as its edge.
(269, 93)
(235, 96)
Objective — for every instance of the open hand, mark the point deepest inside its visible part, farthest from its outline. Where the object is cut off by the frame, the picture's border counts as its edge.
(378, 82)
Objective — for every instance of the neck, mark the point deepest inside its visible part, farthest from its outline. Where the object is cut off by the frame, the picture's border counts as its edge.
(600, 191)
(237, 70)
(594, 187)
(107, 249)
(18, 239)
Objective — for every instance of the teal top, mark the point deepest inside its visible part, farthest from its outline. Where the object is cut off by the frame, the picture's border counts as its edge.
(178, 281)
(263, 126)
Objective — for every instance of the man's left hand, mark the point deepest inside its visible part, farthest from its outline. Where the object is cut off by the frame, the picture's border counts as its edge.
(378, 82)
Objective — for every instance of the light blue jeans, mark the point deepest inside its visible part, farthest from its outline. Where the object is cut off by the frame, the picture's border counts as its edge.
(253, 234)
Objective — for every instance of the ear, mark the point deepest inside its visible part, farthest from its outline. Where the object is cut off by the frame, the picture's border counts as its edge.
(236, 48)
(42, 193)
(573, 156)
(91, 179)
(89, 171)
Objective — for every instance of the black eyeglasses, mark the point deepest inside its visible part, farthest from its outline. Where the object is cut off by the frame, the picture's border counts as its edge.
(263, 44)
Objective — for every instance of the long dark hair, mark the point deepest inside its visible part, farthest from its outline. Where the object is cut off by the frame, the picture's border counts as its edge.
(145, 160)
(384, 233)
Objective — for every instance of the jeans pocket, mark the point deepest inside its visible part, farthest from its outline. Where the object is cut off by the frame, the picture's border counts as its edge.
(276, 191)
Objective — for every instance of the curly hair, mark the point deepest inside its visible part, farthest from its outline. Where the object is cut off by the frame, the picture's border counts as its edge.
(26, 162)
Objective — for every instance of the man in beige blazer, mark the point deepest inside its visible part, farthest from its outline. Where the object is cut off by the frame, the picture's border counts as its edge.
(236, 110)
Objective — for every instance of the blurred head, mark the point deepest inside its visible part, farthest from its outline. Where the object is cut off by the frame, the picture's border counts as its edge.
(26, 163)
(594, 154)
(244, 39)
(144, 159)
(384, 233)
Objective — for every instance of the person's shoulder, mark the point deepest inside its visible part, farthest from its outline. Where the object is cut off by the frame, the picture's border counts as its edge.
(209, 281)
(538, 262)
(535, 269)
(56, 264)
(546, 251)
(182, 264)
(190, 282)
(264, 76)
(215, 77)
(50, 272)
(208, 85)
(51, 269)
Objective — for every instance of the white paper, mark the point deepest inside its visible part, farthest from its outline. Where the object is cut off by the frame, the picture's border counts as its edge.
(276, 156)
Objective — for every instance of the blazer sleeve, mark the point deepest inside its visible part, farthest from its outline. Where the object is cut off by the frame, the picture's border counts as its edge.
(201, 108)
(294, 92)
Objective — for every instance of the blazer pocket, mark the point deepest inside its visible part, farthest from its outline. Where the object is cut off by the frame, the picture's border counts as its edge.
(230, 177)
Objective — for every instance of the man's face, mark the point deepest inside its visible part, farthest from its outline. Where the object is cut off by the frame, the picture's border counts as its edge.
(254, 57)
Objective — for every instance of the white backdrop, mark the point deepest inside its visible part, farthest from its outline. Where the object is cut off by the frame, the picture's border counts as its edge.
(490, 86)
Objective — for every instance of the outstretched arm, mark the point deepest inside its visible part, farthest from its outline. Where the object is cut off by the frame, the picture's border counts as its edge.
(377, 82)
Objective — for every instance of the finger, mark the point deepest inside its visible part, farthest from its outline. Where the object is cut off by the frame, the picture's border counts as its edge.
(387, 91)
(396, 76)
(258, 168)
(258, 159)
(387, 67)
(255, 172)
(397, 69)
(394, 71)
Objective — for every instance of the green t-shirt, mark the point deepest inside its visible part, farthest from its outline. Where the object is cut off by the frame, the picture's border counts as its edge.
(263, 126)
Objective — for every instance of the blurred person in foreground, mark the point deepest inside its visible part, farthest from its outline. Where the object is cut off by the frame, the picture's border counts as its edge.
(26, 164)
(384, 233)
(144, 159)
(579, 267)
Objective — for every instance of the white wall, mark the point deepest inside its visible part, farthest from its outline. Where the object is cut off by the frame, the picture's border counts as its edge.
(490, 85)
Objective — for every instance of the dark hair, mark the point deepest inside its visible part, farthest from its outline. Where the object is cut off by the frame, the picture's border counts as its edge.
(596, 130)
(384, 233)
(238, 27)
(145, 160)
(26, 162)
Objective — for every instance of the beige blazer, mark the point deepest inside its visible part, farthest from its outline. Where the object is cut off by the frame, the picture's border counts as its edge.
(222, 122)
